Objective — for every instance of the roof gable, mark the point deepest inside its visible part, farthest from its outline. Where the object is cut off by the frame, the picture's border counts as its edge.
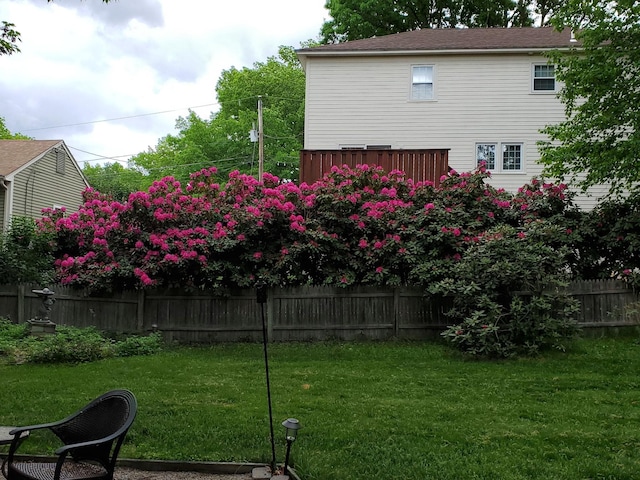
(454, 39)
(15, 154)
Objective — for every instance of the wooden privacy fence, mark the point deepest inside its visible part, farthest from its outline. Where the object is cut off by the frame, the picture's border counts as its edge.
(291, 314)
(418, 164)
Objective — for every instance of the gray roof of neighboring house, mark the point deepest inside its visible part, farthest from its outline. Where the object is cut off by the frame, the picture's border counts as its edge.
(17, 153)
(454, 39)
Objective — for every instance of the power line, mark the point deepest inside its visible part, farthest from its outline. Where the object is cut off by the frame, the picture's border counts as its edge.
(119, 118)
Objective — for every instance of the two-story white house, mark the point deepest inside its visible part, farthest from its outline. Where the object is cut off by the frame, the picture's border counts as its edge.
(482, 93)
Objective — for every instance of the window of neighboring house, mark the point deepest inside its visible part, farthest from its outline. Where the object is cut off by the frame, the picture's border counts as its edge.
(422, 82)
(511, 160)
(544, 79)
(511, 157)
(486, 153)
(60, 161)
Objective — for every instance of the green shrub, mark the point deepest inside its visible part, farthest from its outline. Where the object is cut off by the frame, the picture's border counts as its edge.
(133, 346)
(509, 295)
(69, 345)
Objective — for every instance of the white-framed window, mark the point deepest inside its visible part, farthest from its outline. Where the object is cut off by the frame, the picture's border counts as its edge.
(422, 82)
(501, 157)
(486, 154)
(543, 78)
(512, 157)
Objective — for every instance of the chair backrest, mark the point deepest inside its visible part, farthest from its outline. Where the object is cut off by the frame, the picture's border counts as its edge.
(108, 417)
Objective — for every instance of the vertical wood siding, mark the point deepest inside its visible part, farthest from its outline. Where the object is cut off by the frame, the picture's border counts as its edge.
(291, 314)
(419, 165)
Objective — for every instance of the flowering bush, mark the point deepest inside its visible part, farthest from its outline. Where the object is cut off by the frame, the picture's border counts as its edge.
(357, 226)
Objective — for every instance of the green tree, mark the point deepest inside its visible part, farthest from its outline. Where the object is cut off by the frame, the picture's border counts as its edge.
(356, 19)
(223, 140)
(5, 134)
(9, 36)
(115, 180)
(599, 141)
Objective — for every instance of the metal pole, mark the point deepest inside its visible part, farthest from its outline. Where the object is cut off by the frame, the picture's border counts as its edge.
(261, 296)
(286, 458)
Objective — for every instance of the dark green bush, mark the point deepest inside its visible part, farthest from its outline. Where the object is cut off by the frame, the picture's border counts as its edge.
(509, 295)
(133, 346)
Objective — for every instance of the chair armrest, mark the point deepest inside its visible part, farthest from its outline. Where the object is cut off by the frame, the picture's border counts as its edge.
(72, 446)
(33, 427)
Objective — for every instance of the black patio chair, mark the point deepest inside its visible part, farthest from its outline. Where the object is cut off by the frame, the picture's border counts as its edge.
(92, 438)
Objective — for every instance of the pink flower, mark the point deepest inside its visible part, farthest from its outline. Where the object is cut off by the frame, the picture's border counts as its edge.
(257, 255)
(429, 206)
(521, 235)
(363, 243)
(456, 232)
(379, 270)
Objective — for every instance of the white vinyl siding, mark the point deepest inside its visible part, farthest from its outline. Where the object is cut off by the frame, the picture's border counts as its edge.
(483, 98)
(363, 101)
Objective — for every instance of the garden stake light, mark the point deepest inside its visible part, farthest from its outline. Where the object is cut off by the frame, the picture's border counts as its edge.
(291, 426)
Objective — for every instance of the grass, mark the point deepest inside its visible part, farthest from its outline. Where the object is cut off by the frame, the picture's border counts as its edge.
(369, 410)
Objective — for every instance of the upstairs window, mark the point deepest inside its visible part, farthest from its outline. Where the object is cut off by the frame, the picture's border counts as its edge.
(422, 82)
(544, 79)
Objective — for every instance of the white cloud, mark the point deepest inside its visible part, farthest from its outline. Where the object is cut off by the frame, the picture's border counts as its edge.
(83, 61)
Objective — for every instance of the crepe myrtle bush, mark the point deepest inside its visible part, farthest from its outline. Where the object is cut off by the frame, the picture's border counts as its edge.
(356, 226)
(509, 296)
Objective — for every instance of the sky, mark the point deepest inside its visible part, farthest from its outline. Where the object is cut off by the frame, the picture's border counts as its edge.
(111, 79)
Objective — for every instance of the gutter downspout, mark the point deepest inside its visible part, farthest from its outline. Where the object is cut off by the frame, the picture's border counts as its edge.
(4, 225)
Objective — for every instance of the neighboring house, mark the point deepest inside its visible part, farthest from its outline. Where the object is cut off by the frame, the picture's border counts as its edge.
(482, 93)
(37, 174)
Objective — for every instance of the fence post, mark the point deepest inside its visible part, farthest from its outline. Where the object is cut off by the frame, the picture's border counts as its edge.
(140, 311)
(20, 304)
(270, 304)
(396, 312)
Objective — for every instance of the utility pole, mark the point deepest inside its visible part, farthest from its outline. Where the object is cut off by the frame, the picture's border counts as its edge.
(260, 140)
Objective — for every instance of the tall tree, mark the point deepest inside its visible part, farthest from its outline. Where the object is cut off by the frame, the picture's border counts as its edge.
(223, 140)
(9, 36)
(356, 19)
(115, 180)
(600, 140)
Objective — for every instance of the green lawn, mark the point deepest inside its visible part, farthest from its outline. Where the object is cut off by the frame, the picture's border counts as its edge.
(370, 410)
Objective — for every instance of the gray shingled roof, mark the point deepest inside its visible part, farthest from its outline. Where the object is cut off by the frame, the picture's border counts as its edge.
(17, 153)
(452, 39)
